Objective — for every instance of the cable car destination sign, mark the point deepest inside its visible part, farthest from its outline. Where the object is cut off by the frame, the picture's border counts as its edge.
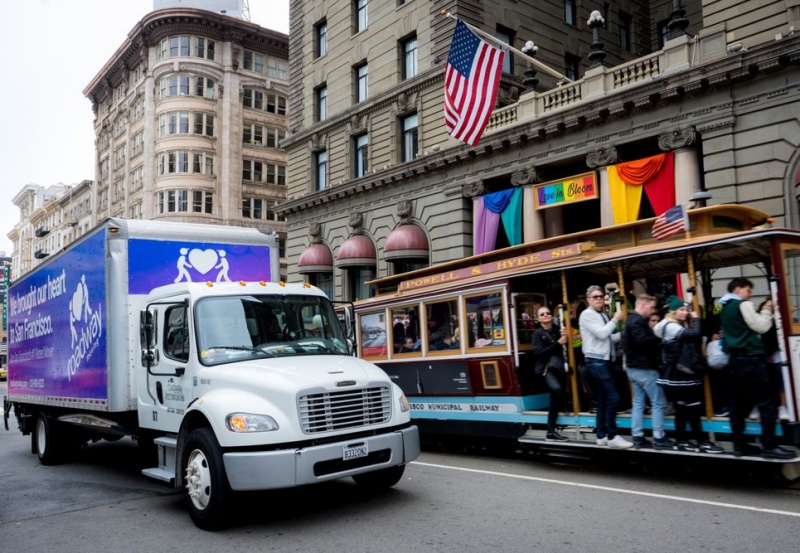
(527, 261)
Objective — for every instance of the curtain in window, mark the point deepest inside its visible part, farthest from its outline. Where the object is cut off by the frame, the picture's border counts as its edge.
(655, 174)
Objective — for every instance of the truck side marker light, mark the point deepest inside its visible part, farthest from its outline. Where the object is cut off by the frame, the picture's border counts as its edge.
(242, 283)
(209, 284)
(307, 284)
(262, 283)
(281, 283)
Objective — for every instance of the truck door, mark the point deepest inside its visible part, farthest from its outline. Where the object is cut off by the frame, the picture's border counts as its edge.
(168, 381)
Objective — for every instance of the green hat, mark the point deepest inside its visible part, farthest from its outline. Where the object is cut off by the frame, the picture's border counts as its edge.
(674, 303)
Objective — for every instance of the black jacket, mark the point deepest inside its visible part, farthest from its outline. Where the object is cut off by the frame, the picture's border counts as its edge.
(640, 344)
(545, 344)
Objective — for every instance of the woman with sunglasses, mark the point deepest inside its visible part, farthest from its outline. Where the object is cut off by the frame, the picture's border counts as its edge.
(548, 349)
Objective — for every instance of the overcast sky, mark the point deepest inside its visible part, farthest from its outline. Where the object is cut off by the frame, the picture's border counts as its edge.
(51, 50)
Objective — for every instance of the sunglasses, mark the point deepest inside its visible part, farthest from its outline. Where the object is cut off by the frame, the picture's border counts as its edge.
(596, 296)
(544, 313)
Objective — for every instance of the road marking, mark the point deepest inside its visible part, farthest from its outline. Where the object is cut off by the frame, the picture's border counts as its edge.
(609, 489)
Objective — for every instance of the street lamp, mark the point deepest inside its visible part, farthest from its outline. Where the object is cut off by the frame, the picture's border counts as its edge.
(597, 55)
(530, 81)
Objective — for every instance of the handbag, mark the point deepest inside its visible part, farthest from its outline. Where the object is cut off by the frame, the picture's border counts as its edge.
(716, 356)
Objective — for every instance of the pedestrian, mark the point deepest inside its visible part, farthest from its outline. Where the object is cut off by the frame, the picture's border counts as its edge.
(742, 326)
(682, 373)
(641, 348)
(548, 349)
(599, 336)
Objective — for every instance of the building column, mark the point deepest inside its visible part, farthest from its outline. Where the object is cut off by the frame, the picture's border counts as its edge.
(687, 167)
(533, 225)
(600, 160)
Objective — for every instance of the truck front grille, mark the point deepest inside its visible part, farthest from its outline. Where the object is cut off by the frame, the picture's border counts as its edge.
(328, 411)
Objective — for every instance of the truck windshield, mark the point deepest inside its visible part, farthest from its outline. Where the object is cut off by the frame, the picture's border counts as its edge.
(236, 328)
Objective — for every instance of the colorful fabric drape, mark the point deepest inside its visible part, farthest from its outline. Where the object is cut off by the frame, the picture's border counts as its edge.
(656, 174)
(490, 209)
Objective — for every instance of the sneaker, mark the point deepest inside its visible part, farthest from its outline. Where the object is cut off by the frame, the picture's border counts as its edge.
(722, 413)
(778, 453)
(555, 437)
(602, 441)
(687, 445)
(663, 443)
(783, 413)
(641, 441)
(618, 442)
(754, 414)
(710, 447)
(746, 449)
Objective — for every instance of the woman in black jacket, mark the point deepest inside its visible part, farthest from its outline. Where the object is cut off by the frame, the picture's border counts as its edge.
(548, 350)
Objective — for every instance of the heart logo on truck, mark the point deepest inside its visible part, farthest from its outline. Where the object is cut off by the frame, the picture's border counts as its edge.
(203, 260)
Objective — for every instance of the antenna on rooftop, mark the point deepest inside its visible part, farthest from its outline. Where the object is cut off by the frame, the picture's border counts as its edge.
(246, 10)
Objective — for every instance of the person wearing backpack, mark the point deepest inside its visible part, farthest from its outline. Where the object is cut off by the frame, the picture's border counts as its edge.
(683, 366)
(742, 328)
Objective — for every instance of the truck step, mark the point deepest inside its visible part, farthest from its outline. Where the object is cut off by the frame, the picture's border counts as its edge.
(165, 471)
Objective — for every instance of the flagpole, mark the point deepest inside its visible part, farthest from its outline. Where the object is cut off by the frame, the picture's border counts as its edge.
(537, 63)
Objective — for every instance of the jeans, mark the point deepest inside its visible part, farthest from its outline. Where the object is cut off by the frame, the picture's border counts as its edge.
(644, 386)
(605, 397)
(555, 381)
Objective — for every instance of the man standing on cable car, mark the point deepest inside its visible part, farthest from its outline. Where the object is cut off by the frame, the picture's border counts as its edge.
(742, 326)
(599, 335)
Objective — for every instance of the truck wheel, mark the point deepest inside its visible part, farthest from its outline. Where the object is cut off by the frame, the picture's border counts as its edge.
(46, 441)
(207, 491)
(380, 479)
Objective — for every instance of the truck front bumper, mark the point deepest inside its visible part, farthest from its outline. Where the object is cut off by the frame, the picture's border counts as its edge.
(265, 470)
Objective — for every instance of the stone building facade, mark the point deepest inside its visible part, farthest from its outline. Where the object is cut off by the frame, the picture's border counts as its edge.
(378, 187)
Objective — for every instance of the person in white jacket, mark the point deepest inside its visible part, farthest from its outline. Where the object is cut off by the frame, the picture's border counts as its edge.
(599, 334)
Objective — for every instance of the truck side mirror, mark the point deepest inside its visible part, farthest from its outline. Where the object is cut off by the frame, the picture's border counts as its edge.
(147, 331)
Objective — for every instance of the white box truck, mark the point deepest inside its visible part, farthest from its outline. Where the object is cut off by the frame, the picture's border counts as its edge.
(181, 336)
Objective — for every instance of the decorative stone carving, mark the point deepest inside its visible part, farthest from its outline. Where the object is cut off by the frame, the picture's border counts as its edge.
(356, 222)
(358, 122)
(315, 232)
(317, 142)
(404, 209)
(472, 189)
(526, 176)
(221, 90)
(235, 58)
(676, 139)
(601, 157)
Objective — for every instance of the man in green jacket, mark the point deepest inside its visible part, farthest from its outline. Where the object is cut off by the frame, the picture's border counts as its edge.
(742, 326)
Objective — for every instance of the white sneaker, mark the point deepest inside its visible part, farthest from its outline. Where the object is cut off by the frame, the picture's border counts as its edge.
(783, 413)
(754, 414)
(619, 443)
(602, 441)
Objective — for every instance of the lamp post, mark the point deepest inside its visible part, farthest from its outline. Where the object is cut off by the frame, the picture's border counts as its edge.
(530, 81)
(597, 55)
(677, 22)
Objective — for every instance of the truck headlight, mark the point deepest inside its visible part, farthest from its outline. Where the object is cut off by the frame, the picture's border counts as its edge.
(404, 406)
(248, 422)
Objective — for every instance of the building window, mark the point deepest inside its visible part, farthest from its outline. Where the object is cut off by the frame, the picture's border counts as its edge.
(252, 134)
(204, 48)
(625, 31)
(321, 31)
(184, 85)
(361, 15)
(252, 208)
(253, 99)
(274, 137)
(506, 36)
(323, 281)
(322, 102)
(276, 68)
(570, 14)
(276, 104)
(204, 124)
(572, 66)
(137, 144)
(410, 144)
(175, 46)
(253, 61)
(202, 202)
(252, 171)
(362, 82)
(276, 174)
(358, 278)
(408, 53)
(203, 164)
(321, 178)
(360, 155)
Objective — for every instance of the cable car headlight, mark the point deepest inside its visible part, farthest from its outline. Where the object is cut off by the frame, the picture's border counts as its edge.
(248, 422)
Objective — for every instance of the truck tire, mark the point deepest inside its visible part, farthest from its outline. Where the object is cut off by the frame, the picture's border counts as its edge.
(207, 491)
(47, 442)
(380, 479)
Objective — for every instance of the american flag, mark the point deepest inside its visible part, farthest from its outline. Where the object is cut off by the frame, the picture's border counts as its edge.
(470, 87)
(672, 221)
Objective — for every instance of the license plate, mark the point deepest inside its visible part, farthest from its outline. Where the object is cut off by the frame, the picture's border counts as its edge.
(355, 452)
